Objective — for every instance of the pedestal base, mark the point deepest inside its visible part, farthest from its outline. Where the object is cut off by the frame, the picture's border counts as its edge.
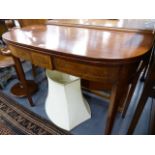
(19, 91)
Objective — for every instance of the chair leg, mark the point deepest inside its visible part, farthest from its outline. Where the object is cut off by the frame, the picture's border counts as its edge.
(140, 107)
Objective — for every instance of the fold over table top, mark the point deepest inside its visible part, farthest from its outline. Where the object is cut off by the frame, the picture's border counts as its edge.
(86, 43)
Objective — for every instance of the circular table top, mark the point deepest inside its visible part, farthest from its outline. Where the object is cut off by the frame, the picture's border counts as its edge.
(6, 61)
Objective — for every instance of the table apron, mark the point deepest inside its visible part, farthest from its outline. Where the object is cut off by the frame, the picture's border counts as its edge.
(105, 73)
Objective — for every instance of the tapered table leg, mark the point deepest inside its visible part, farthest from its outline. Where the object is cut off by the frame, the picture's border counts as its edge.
(117, 91)
(25, 87)
(33, 70)
(145, 94)
(129, 96)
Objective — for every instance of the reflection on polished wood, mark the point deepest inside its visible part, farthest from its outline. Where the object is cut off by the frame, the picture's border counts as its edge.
(28, 22)
(145, 25)
(82, 43)
(114, 58)
(129, 25)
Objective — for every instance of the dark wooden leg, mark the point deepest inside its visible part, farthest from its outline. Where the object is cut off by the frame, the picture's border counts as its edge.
(33, 70)
(152, 120)
(148, 62)
(140, 107)
(129, 96)
(142, 79)
(123, 98)
(21, 76)
(114, 103)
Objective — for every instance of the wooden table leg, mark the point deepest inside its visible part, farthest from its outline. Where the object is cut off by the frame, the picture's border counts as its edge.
(123, 98)
(25, 86)
(140, 107)
(152, 119)
(129, 96)
(142, 79)
(33, 70)
(114, 103)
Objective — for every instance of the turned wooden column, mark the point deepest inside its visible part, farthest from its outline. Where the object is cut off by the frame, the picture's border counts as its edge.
(24, 87)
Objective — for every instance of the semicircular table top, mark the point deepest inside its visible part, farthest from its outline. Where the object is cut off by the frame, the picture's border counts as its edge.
(82, 42)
